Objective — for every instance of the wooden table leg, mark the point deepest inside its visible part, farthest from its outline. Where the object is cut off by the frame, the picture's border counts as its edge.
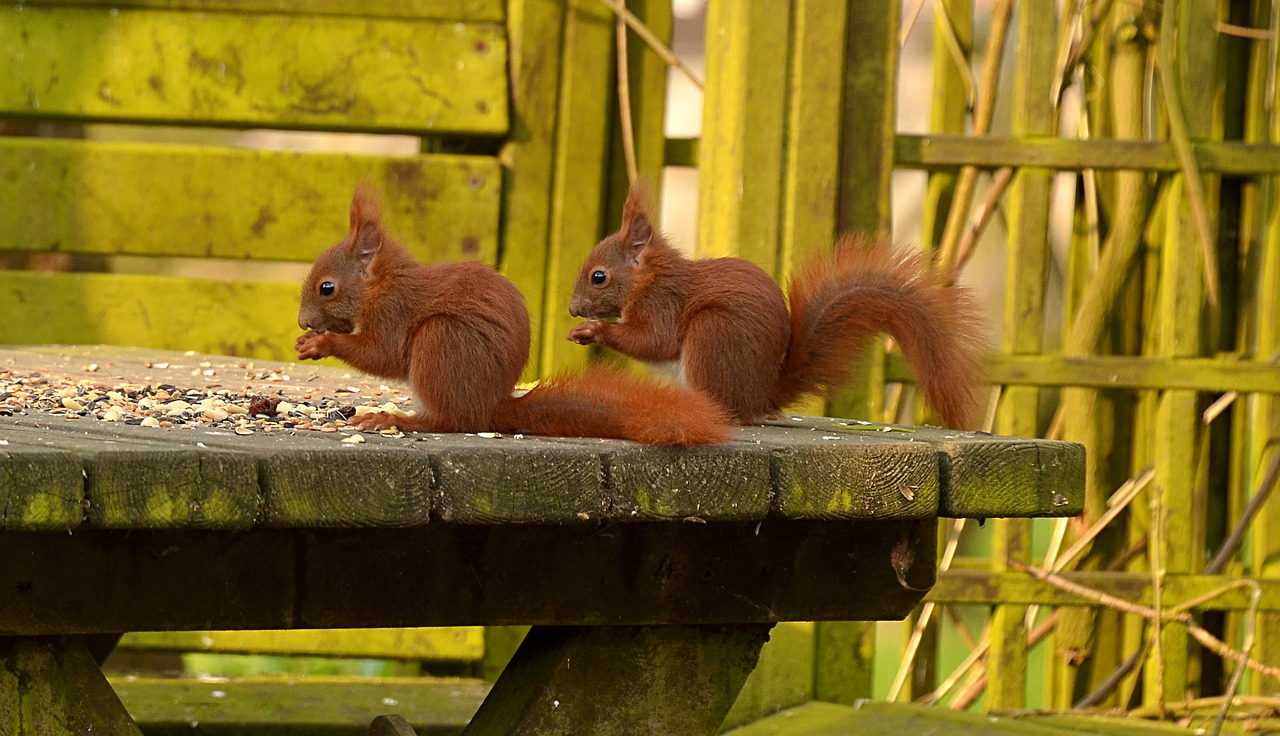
(51, 686)
(621, 680)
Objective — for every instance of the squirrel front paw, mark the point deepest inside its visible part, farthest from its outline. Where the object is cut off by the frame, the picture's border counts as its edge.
(588, 333)
(312, 345)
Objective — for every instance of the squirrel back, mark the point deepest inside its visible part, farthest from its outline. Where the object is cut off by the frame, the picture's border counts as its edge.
(459, 334)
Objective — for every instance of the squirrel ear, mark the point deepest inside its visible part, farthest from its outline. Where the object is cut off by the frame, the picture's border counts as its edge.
(367, 244)
(638, 235)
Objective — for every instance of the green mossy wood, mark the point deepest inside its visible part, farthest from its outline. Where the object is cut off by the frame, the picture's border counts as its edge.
(323, 72)
(51, 686)
(237, 203)
(452, 644)
(607, 680)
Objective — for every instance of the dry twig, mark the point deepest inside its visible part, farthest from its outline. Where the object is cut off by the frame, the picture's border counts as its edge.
(648, 36)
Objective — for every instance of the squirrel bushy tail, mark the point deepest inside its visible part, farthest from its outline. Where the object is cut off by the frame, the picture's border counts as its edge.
(603, 402)
(842, 300)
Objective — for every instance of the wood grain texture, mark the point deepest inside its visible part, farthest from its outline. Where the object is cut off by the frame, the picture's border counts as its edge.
(313, 704)
(516, 481)
(40, 488)
(72, 196)
(673, 679)
(823, 470)
(132, 483)
(698, 485)
(992, 477)
(267, 70)
(346, 486)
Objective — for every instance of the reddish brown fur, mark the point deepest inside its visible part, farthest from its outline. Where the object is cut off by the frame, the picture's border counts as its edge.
(727, 323)
(459, 333)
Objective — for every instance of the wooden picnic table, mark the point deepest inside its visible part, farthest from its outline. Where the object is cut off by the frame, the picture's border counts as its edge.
(651, 575)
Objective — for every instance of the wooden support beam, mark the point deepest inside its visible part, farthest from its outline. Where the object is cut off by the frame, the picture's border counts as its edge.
(672, 679)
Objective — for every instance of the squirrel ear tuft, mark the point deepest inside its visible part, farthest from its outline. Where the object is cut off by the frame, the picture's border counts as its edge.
(637, 225)
(364, 206)
(366, 226)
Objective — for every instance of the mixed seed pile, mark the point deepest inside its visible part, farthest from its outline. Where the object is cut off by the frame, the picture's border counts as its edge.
(269, 400)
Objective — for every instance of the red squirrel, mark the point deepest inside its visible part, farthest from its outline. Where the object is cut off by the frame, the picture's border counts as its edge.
(459, 334)
(727, 326)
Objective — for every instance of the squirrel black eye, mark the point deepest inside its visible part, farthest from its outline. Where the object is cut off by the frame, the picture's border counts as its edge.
(599, 277)
(327, 288)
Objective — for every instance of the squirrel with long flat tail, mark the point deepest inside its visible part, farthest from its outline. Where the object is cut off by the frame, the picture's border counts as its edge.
(727, 328)
(459, 334)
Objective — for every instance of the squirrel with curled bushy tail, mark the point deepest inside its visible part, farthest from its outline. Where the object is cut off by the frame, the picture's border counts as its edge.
(725, 323)
(459, 334)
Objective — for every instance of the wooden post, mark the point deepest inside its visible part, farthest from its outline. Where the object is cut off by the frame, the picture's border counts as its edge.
(607, 680)
(51, 686)
(1027, 277)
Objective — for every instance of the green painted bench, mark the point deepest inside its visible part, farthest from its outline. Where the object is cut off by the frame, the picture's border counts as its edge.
(651, 577)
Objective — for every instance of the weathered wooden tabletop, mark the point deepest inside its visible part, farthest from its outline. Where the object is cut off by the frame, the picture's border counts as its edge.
(227, 521)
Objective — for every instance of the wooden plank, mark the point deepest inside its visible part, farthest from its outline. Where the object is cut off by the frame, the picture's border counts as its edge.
(672, 679)
(740, 161)
(941, 151)
(456, 644)
(535, 29)
(52, 686)
(1265, 419)
(581, 165)
(71, 196)
(1176, 535)
(526, 481)
(307, 479)
(701, 484)
(449, 574)
(311, 705)
(828, 471)
(40, 488)
(146, 484)
(1119, 372)
(261, 70)
(972, 586)
(256, 319)
(989, 477)
(464, 10)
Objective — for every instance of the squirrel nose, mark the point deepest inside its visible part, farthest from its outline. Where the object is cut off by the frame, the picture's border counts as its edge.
(576, 307)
